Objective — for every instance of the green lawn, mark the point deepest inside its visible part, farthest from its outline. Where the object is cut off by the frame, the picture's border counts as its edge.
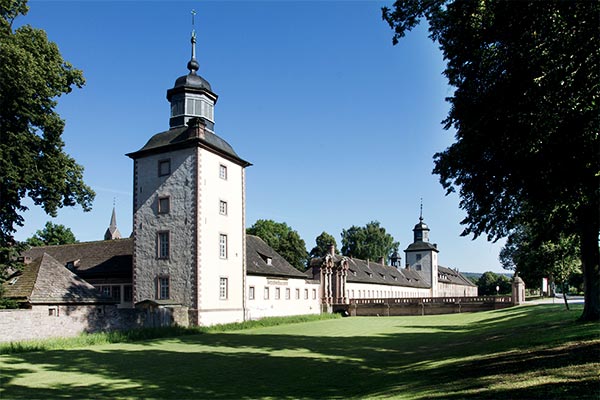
(534, 351)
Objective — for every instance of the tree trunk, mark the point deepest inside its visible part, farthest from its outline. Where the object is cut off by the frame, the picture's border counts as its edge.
(565, 296)
(590, 259)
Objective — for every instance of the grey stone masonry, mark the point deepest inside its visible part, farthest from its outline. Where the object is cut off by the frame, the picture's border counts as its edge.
(178, 222)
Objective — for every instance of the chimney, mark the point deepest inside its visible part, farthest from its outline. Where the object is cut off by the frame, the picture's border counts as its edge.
(196, 127)
(382, 260)
(331, 249)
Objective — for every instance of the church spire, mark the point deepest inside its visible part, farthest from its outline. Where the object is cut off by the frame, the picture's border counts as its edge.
(112, 232)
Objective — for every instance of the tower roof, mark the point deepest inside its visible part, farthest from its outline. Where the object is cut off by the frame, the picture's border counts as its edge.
(192, 82)
(112, 232)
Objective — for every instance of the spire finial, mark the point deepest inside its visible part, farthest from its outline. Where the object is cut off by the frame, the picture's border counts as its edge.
(421, 211)
(193, 65)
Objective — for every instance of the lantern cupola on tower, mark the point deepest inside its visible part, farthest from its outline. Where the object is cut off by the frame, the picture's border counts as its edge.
(421, 230)
(192, 96)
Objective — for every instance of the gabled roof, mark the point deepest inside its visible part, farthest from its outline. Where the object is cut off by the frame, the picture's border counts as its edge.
(365, 271)
(258, 254)
(46, 281)
(89, 260)
(448, 275)
(372, 272)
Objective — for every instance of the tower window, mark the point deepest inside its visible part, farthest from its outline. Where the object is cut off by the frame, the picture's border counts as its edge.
(418, 267)
(163, 244)
(223, 171)
(176, 108)
(223, 288)
(164, 205)
(162, 289)
(222, 246)
(164, 167)
(418, 257)
(222, 207)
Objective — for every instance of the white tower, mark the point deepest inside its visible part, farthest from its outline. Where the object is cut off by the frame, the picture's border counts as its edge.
(189, 211)
(422, 256)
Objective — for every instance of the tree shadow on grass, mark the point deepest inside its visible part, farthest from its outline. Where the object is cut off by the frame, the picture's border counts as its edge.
(242, 365)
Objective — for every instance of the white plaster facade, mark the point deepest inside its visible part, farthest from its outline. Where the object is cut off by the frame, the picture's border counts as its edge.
(276, 297)
(377, 291)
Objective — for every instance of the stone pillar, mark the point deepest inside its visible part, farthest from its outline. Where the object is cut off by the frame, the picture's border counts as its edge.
(518, 291)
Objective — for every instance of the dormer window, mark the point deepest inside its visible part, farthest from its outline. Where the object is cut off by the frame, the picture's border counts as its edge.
(268, 260)
(13, 280)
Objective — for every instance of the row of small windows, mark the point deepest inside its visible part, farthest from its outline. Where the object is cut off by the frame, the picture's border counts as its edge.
(164, 169)
(277, 293)
(163, 245)
(368, 294)
(196, 107)
(120, 293)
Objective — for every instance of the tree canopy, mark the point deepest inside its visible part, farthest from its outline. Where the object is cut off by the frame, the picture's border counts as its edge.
(51, 235)
(488, 281)
(32, 161)
(368, 242)
(283, 239)
(526, 110)
(535, 259)
(323, 241)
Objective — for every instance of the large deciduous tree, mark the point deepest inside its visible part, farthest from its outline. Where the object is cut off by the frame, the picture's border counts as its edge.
(52, 235)
(323, 241)
(283, 239)
(526, 110)
(32, 161)
(535, 259)
(368, 242)
(489, 281)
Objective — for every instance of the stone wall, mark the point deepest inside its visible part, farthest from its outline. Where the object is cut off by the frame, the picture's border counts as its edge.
(426, 306)
(50, 321)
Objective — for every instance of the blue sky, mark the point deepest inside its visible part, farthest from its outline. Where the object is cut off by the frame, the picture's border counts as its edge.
(340, 125)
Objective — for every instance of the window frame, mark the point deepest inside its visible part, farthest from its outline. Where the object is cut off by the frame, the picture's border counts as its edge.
(251, 293)
(223, 246)
(161, 163)
(223, 207)
(223, 288)
(160, 255)
(223, 171)
(163, 286)
(160, 208)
